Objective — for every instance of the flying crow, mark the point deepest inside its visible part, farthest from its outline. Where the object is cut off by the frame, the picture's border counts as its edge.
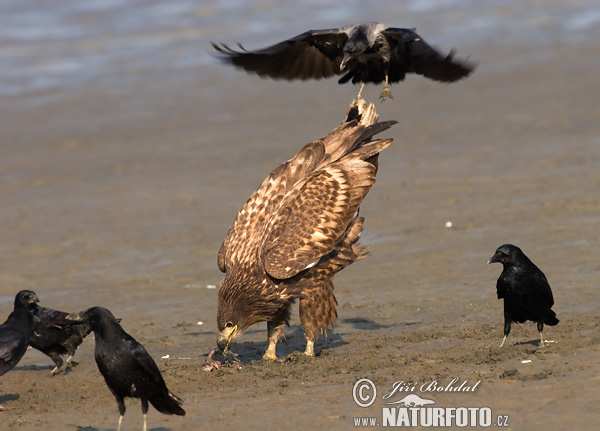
(365, 52)
(14, 338)
(525, 289)
(127, 367)
(50, 334)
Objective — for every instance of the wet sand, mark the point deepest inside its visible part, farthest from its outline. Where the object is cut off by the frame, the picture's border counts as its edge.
(119, 184)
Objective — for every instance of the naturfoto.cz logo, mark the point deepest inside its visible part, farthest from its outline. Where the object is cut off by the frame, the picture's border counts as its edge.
(412, 410)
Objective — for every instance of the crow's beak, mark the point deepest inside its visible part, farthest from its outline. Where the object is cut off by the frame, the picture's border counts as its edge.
(344, 61)
(494, 259)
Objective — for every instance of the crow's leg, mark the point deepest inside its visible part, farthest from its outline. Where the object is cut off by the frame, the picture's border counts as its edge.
(385, 93)
(540, 327)
(60, 365)
(145, 411)
(362, 86)
(121, 404)
(507, 323)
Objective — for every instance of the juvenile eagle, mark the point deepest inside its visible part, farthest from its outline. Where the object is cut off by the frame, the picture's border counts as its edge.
(365, 52)
(525, 290)
(296, 231)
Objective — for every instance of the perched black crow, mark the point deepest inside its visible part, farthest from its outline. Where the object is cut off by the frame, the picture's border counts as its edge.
(50, 334)
(365, 52)
(14, 338)
(526, 292)
(127, 367)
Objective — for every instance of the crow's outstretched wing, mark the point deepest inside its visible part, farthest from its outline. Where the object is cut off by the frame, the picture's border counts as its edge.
(314, 54)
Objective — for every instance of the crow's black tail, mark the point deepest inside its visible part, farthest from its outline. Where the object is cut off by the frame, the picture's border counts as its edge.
(167, 403)
(551, 319)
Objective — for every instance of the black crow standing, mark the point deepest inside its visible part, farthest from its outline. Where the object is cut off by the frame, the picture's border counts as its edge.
(50, 335)
(14, 338)
(525, 290)
(365, 52)
(127, 367)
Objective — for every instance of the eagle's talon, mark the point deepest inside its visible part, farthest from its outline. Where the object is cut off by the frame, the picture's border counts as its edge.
(310, 348)
(269, 356)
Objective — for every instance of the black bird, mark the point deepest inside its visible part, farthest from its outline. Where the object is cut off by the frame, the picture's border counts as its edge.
(52, 334)
(14, 338)
(525, 289)
(128, 369)
(365, 52)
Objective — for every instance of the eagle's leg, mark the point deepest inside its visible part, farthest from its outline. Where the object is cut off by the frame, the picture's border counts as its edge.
(317, 312)
(310, 348)
(385, 93)
(275, 333)
(359, 96)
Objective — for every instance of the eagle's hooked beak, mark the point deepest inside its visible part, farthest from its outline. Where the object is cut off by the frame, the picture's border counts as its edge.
(226, 337)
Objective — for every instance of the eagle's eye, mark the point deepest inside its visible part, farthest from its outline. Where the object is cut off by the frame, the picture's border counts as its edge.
(229, 324)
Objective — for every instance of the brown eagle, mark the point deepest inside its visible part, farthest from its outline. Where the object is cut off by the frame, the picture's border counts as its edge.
(296, 231)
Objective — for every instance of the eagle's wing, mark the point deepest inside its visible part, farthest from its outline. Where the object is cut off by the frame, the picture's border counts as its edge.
(244, 236)
(314, 216)
(413, 54)
(257, 219)
(314, 54)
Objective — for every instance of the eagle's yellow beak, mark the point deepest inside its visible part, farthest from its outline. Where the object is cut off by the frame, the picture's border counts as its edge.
(226, 337)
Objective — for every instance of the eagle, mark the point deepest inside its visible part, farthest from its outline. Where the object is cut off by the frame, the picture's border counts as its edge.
(298, 229)
(364, 52)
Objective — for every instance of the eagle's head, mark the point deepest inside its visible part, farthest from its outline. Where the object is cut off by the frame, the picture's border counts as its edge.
(244, 300)
(229, 329)
(236, 311)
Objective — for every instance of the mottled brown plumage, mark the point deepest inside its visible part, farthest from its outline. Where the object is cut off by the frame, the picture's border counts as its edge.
(296, 231)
